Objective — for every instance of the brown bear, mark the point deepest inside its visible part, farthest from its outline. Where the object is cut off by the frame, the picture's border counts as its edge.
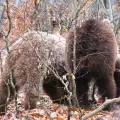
(117, 74)
(96, 51)
(29, 59)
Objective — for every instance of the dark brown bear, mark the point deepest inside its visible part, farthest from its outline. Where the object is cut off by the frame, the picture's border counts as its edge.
(29, 57)
(96, 50)
(117, 75)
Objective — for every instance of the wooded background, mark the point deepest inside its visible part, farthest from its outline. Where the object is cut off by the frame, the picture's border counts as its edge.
(55, 15)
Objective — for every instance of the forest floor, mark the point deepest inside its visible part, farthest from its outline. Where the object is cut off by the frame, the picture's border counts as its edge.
(49, 111)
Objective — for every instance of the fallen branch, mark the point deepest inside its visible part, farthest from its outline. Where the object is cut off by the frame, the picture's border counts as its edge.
(105, 104)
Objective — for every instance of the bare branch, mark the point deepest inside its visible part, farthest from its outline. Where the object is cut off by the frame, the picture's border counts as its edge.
(8, 16)
(105, 104)
(77, 13)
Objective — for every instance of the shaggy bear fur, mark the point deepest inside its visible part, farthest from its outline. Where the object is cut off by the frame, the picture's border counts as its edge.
(117, 75)
(27, 61)
(96, 50)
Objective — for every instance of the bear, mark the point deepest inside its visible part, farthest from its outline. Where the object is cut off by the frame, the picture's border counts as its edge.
(96, 52)
(32, 60)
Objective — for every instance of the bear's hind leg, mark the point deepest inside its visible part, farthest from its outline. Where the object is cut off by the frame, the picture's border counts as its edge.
(30, 101)
(107, 86)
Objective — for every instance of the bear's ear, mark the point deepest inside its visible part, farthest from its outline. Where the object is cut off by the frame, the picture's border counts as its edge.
(107, 22)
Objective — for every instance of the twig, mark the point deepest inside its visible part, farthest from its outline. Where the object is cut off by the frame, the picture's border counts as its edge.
(8, 16)
(8, 50)
(76, 15)
(105, 104)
